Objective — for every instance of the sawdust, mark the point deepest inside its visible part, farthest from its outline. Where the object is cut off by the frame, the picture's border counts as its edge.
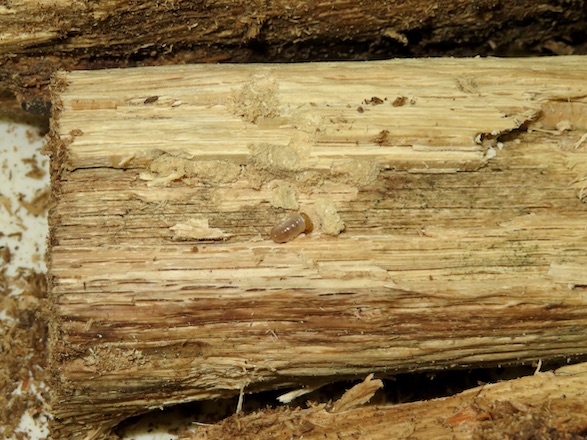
(23, 291)
(515, 420)
(36, 171)
(358, 172)
(167, 168)
(257, 99)
(39, 204)
(279, 160)
(23, 358)
(330, 221)
(284, 195)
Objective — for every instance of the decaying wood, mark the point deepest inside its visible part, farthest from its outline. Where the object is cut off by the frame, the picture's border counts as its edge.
(546, 405)
(448, 202)
(36, 38)
(120, 27)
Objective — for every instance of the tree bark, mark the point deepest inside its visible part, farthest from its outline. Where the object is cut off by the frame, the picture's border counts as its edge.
(449, 225)
(36, 38)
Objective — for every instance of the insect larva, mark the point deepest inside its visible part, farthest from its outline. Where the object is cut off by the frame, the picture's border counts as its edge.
(290, 227)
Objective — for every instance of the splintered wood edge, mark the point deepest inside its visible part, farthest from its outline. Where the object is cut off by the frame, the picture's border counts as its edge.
(406, 117)
(422, 120)
(554, 401)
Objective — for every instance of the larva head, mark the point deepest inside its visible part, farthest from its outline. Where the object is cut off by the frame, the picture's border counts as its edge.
(309, 225)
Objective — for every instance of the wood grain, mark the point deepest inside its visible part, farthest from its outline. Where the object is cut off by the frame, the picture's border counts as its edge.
(117, 27)
(447, 197)
(546, 405)
(39, 37)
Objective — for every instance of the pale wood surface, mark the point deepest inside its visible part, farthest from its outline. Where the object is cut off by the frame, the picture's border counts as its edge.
(463, 235)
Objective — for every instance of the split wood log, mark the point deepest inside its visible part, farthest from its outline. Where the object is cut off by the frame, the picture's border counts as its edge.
(36, 38)
(546, 405)
(448, 203)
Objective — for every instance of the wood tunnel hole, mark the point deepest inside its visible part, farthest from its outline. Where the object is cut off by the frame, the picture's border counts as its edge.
(401, 388)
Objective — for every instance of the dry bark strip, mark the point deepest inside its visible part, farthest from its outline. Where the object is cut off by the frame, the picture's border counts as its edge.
(118, 27)
(448, 202)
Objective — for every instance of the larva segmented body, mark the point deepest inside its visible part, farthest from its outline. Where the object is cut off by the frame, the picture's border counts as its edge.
(290, 227)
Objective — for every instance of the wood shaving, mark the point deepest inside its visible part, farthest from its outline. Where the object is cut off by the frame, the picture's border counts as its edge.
(357, 395)
(23, 358)
(40, 203)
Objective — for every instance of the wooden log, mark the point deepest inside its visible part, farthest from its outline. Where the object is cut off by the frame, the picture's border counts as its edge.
(120, 28)
(546, 405)
(447, 197)
(36, 38)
